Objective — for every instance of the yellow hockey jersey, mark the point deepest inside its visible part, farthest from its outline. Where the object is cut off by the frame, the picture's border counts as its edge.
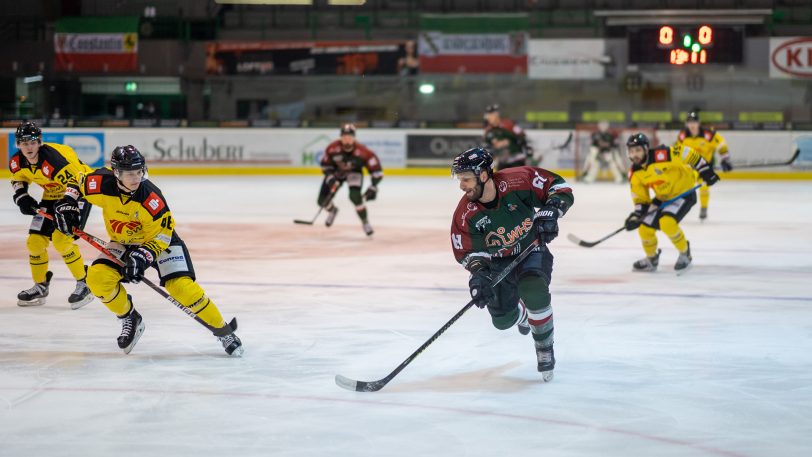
(668, 172)
(706, 142)
(57, 167)
(141, 219)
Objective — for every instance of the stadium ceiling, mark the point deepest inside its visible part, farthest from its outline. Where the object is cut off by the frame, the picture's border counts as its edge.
(291, 2)
(654, 17)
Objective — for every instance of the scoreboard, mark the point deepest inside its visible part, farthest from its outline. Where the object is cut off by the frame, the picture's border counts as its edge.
(686, 45)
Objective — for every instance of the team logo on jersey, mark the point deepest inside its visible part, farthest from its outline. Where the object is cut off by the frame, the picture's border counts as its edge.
(47, 169)
(503, 186)
(538, 181)
(154, 204)
(456, 241)
(661, 155)
(502, 237)
(511, 207)
(93, 184)
(14, 165)
(480, 224)
(132, 227)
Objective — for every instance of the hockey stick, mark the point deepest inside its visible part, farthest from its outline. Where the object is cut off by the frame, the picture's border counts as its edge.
(374, 386)
(100, 244)
(589, 244)
(769, 164)
(333, 191)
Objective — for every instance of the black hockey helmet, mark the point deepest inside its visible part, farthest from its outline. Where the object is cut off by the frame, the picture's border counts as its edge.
(128, 158)
(27, 131)
(492, 108)
(693, 116)
(638, 139)
(475, 160)
(347, 129)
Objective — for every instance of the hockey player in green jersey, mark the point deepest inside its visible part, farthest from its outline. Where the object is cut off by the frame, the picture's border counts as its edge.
(500, 215)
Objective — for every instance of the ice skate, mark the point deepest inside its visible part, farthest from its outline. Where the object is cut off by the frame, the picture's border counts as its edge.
(81, 295)
(546, 360)
(683, 261)
(35, 296)
(647, 264)
(132, 327)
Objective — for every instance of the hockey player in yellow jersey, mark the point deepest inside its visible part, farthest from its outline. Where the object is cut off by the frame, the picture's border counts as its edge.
(667, 172)
(707, 142)
(142, 235)
(52, 166)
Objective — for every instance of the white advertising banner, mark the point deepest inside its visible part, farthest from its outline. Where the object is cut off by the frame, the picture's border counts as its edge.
(566, 59)
(791, 58)
(272, 147)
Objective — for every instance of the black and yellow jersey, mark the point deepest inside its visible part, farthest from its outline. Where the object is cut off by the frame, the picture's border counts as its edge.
(141, 219)
(57, 167)
(668, 171)
(706, 142)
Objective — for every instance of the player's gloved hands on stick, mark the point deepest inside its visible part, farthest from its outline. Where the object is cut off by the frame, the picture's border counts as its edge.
(136, 261)
(633, 221)
(726, 165)
(371, 193)
(480, 287)
(67, 215)
(28, 204)
(545, 222)
(707, 174)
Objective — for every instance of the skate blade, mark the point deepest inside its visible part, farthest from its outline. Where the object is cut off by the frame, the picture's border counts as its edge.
(82, 302)
(34, 302)
(547, 376)
(138, 332)
(684, 270)
(238, 352)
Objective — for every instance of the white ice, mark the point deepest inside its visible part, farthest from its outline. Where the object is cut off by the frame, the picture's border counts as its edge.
(717, 362)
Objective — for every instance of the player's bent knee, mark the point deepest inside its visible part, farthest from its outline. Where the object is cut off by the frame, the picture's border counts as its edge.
(534, 290)
(37, 244)
(102, 279)
(668, 224)
(62, 243)
(185, 290)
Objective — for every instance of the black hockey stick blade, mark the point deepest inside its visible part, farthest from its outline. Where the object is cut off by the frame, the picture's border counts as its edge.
(769, 164)
(589, 244)
(299, 221)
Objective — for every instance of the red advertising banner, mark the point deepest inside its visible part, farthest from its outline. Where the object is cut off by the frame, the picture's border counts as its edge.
(473, 53)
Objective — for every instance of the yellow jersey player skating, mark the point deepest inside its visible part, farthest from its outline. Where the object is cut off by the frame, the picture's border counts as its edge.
(142, 235)
(52, 166)
(706, 141)
(667, 172)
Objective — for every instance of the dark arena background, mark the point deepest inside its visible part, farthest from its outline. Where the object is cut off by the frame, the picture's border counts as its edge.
(345, 116)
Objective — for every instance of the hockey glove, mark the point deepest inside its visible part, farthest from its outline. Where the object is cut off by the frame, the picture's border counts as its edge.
(545, 221)
(633, 221)
(707, 174)
(136, 261)
(480, 286)
(67, 215)
(726, 165)
(371, 193)
(28, 205)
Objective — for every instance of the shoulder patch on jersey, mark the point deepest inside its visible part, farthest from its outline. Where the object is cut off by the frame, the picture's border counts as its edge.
(47, 169)
(14, 164)
(93, 184)
(154, 204)
(709, 134)
(503, 186)
(661, 155)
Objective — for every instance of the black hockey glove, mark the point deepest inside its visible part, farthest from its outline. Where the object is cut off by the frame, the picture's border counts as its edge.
(545, 221)
(28, 204)
(136, 261)
(480, 286)
(371, 193)
(707, 174)
(67, 215)
(726, 165)
(633, 221)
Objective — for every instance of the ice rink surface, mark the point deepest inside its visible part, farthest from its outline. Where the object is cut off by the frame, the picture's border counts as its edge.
(717, 362)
